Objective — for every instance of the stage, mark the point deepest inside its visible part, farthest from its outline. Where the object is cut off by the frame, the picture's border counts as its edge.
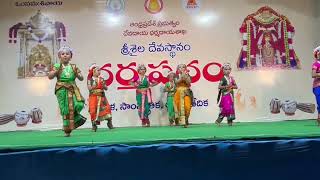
(268, 150)
(21, 140)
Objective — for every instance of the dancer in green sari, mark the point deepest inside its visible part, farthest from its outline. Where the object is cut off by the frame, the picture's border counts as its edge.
(170, 88)
(143, 94)
(69, 98)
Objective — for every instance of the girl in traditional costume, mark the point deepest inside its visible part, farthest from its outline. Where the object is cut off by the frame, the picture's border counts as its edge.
(143, 94)
(183, 96)
(99, 107)
(316, 81)
(170, 88)
(226, 96)
(68, 94)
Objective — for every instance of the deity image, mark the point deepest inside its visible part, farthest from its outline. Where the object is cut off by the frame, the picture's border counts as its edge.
(267, 42)
(39, 39)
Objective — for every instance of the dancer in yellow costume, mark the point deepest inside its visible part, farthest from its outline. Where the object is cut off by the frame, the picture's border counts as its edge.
(183, 96)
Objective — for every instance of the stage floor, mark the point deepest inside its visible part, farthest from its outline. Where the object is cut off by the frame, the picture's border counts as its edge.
(142, 136)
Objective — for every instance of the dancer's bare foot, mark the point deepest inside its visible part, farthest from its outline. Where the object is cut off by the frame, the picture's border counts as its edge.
(147, 123)
(94, 128)
(110, 125)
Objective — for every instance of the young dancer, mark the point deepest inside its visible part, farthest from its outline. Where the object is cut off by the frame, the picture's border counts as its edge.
(170, 88)
(143, 94)
(226, 96)
(183, 96)
(99, 107)
(316, 81)
(69, 98)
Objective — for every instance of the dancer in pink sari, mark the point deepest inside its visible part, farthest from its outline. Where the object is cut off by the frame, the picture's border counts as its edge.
(226, 97)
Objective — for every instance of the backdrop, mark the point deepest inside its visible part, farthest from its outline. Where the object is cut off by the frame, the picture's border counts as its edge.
(268, 43)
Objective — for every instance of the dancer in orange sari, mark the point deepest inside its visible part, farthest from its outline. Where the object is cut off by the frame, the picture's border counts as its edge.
(99, 107)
